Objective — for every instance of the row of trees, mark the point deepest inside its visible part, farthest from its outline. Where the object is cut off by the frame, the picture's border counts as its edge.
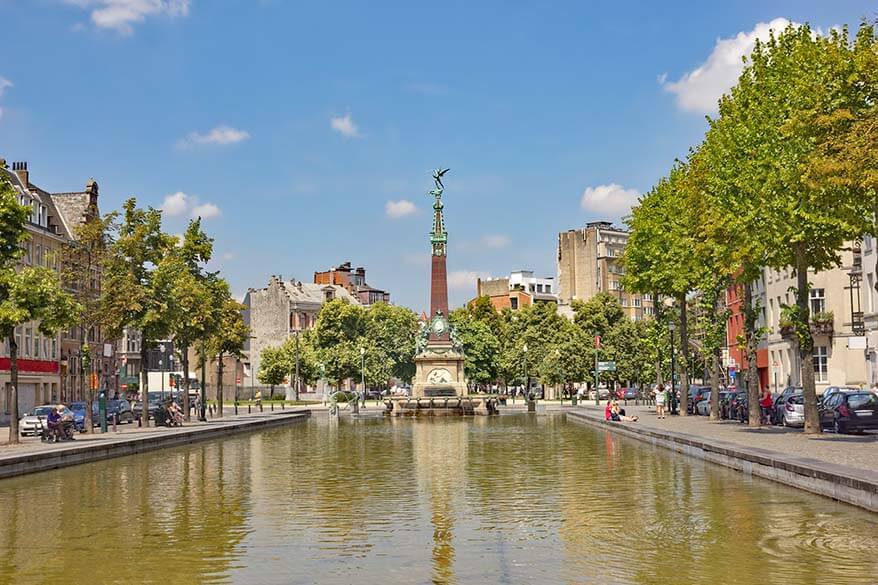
(121, 270)
(787, 176)
(347, 341)
(538, 343)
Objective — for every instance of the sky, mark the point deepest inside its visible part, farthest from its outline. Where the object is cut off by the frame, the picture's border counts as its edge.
(304, 133)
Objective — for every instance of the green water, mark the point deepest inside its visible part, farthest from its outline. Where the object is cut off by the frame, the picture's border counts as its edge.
(510, 499)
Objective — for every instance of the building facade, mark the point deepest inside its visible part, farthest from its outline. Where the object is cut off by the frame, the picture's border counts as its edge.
(589, 262)
(516, 291)
(49, 367)
(354, 281)
(842, 354)
(281, 310)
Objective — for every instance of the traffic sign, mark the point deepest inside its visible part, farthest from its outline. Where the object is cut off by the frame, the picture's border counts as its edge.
(597, 341)
(606, 366)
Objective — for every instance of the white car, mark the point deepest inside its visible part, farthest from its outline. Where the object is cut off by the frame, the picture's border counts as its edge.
(34, 422)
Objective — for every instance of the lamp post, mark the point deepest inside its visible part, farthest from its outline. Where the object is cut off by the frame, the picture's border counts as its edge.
(363, 373)
(673, 396)
(162, 369)
(526, 375)
(296, 391)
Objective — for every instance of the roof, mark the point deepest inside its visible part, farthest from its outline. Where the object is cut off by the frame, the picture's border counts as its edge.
(72, 208)
(306, 292)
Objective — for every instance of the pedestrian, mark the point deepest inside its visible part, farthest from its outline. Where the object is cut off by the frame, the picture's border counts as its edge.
(765, 404)
(661, 398)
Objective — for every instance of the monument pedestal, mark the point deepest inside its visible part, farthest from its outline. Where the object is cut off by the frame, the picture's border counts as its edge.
(439, 372)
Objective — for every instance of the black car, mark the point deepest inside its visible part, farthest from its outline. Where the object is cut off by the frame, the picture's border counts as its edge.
(847, 412)
(725, 399)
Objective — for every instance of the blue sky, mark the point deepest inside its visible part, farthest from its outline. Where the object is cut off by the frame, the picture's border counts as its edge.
(304, 133)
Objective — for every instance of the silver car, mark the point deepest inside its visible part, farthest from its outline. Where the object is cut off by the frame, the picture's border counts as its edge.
(792, 411)
(702, 407)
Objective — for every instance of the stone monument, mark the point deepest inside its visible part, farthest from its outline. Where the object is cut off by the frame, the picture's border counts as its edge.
(439, 384)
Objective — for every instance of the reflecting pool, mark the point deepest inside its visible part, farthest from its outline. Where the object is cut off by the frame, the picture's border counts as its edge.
(508, 499)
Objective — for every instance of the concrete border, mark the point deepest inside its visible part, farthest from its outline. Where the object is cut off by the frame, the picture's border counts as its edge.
(845, 484)
(14, 464)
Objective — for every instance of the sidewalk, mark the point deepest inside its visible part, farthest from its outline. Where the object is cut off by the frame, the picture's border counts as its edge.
(33, 455)
(856, 451)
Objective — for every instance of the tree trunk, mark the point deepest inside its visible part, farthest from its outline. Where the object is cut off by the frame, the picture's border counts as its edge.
(184, 353)
(13, 391)
(219, 387)
(753, 390)
(144, 383)
(684, 361)
(806, 346)
(202, 416)
(715, 362)
(85, 384)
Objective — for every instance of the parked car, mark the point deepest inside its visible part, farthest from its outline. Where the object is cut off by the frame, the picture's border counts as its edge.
(831, 390)
(696, 395)
(629, 393)
(78, 409)
(120, 408)
(847, 412)
(702, 407)
(32, 423)
(789, 411)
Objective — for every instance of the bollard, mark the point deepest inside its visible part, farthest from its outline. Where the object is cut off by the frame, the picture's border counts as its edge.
(236, 407)
(248, 408)
(282, 402)
(115, 422)
(260, 407)
(272, 407)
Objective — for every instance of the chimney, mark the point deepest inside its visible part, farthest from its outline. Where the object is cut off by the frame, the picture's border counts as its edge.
(20, 169)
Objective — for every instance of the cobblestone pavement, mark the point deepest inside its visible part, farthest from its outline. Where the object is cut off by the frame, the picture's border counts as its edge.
(859, 451)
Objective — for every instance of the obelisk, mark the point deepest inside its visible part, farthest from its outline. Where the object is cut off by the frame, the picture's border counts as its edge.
(439, 245)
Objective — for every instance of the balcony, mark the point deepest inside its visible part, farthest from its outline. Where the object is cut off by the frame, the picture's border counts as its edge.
(822, 323)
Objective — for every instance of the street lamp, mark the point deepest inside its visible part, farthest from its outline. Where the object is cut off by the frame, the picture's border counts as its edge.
(363, 373)
(162, 369)
(526, 376)
(558, 362)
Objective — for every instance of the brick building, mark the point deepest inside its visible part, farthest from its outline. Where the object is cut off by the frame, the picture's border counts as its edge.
(354, 280)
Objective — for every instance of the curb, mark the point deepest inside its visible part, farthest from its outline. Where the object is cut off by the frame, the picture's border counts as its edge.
(845, 484)
(13, 465)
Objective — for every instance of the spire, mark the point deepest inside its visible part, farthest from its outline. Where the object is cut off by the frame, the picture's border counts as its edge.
(438, 237)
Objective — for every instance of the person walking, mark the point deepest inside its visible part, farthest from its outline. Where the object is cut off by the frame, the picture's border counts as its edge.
(765, 404)
(661, 399)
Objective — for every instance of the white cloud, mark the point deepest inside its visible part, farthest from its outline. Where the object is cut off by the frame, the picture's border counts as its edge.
(609, 201)
(4, 83)
(495, 241)
(221, 135)
(401, 208)
(345, 126)
(700, 89)
(175, 204)
(206, 211)
(120, 15)
(179, 204)
(228, 256)
(465, 279)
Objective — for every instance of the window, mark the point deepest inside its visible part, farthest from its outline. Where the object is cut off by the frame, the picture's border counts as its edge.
(28, 336)
(636, 302)
(770, 322)
(513, 302)
(870, 299)
(624, 302)
(818, 300)
(647, 297)
(821, 363)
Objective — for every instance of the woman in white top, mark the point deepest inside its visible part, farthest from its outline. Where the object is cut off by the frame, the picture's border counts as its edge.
(661, 397)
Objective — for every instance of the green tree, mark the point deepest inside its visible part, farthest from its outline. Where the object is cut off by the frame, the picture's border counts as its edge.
(769, 128)
(481, 347)
(336, 338)
(389, 333)
(228, 338)
(190, 311)
(274, 367)
(131, 296)
(31, 293)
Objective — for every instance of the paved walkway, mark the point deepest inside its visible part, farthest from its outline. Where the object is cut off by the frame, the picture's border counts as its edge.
(33, 445)
(857, 451)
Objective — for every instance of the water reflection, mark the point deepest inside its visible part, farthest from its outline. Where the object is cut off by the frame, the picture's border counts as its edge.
(510, 499)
